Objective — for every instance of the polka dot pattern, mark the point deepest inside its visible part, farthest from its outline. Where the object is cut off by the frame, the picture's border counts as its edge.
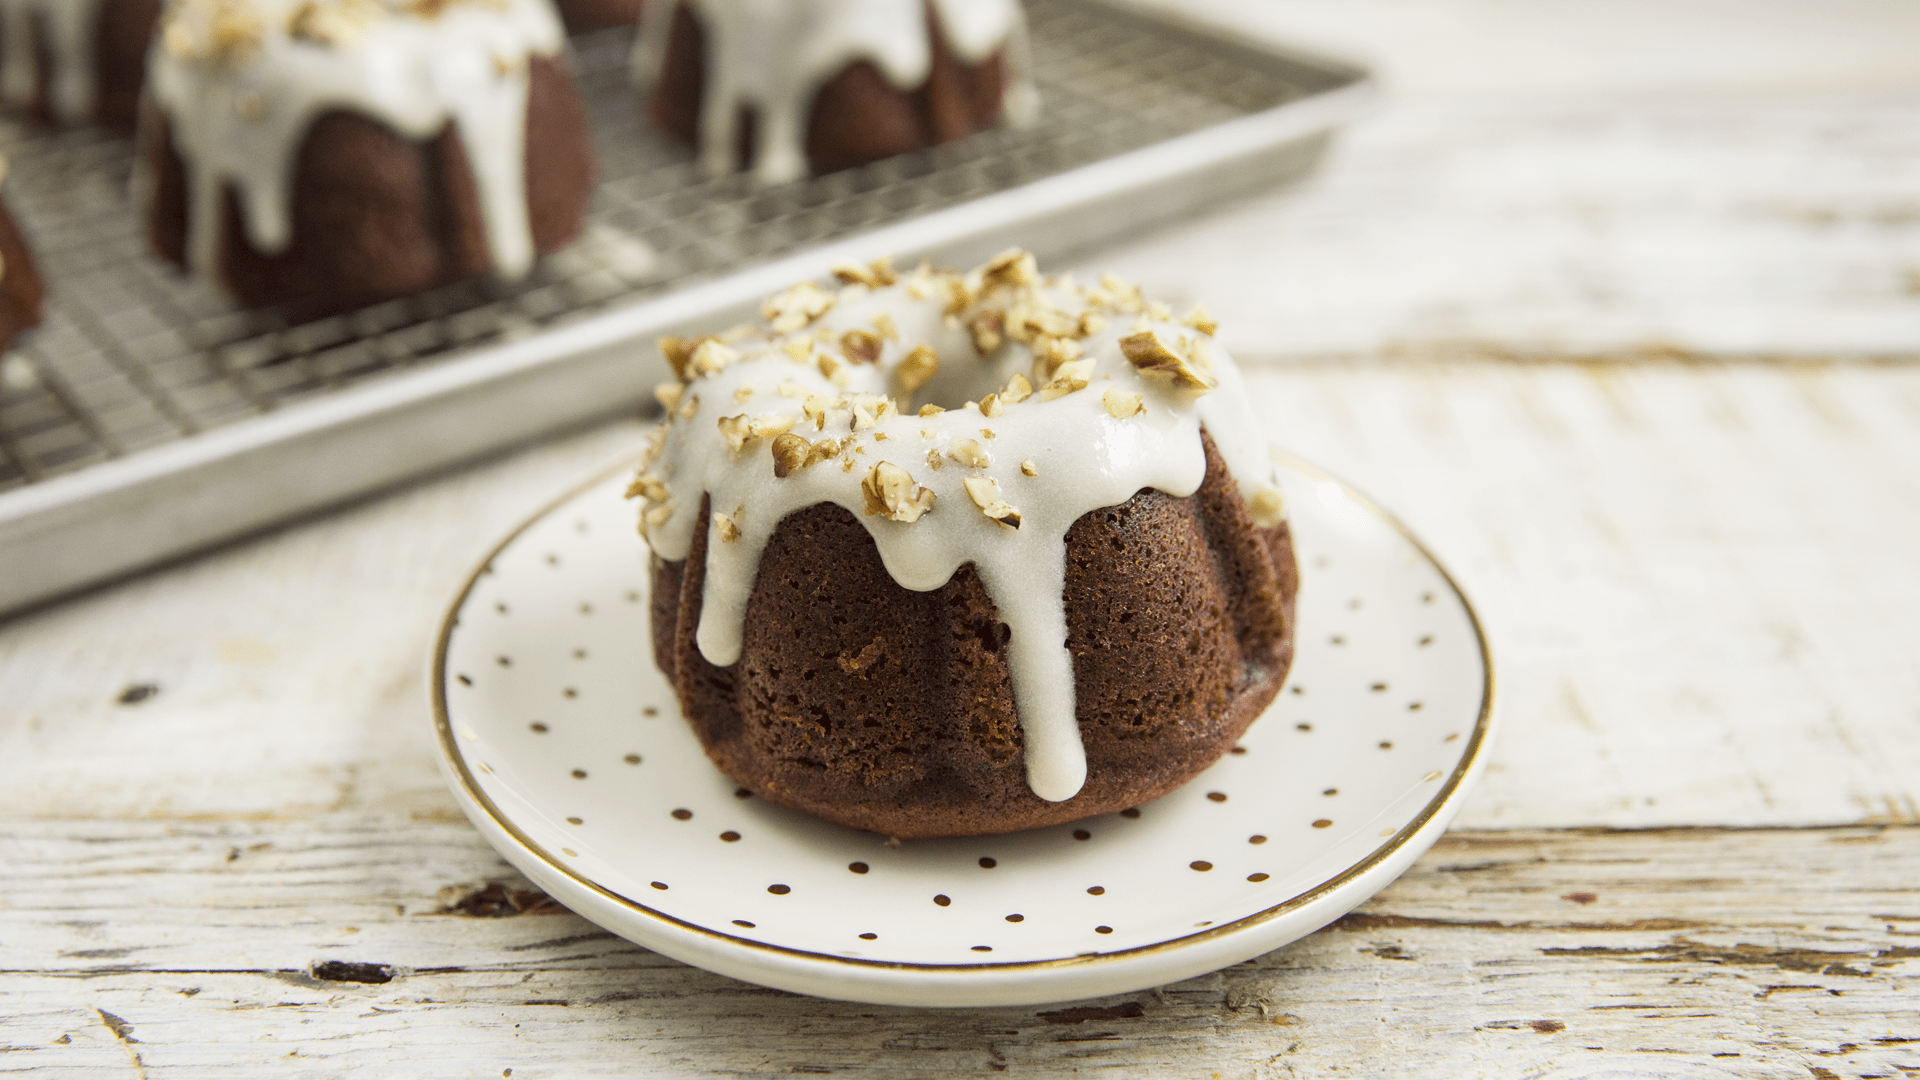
(564, 724)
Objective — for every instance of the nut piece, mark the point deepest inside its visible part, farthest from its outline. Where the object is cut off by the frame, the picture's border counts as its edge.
(916, 369)
(1121, 404)
(823, 450)
(870, 409)
(1267, 507)
(991, 408)
(1028, 468)
(878, 275)
(795, 308)
(1018, 390)
(789, 453)
(969, 453)
(891, 493)
(816, 407)
(648, 487)
(335, 25)
(724, 525)
(860, 346)
(1201, 319)
(985, 493)
(739, 431)
(679, 351)
(668, 394)
(1183, 363)
(690, 406)
(931, 410)
(833, 369)
(989, 330)
(658, 515)
(1069, 378)
(1011, 267)
(883, 325)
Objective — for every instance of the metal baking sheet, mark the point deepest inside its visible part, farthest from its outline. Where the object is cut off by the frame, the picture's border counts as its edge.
(148, 417)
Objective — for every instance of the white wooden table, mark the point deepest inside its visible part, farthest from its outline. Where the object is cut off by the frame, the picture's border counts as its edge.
(1617, 302)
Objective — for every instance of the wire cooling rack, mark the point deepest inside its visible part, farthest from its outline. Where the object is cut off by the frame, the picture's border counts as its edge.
(135, 358)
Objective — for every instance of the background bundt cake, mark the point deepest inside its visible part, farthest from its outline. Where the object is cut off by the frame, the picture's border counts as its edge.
(1064, 594)
(321, 154)
(74, 61)
(830, 85)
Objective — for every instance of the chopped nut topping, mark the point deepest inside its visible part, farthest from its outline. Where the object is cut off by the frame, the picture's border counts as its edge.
(878, 275)
(791, 389)
(648, 487)
(1028, 468)
(988, 331)
(679, 352)
(860, 346)
(734, 430)
(658, 515)
(1121, 404)
(969, 453)
(931, 410)
(988, 433)
(883, 325)
(710, 357)
(959, 296)
(1122, 296)
(690, 406)
(920, 285)
(739, 431)
(892, 493)
(1070, 377)
(833, 369)
(985, 493)
(1051, 352)
(1158, 311)
(1091, 323)
(668, 394)
(798, 349)
(822, 451)
(1267, 507)
(869, 409)
(742, 394)
(1011, 267)
(797, 307)
(934, 460)
(725, 527)
(990, 406)
(1183, 363)
(1018, 390)
(789, 453)
(916, 368)
(816, 407)
(1201, 319)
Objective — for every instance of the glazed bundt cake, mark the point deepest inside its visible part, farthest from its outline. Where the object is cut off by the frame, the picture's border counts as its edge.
(322, 154)
(74, 61)
(831, 85)
(1064, 593)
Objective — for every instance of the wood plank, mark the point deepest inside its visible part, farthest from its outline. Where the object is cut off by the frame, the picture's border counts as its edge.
(1753, 953)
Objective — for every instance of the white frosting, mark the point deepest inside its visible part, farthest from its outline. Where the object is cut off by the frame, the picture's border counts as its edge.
(65, 29)
(240, 89)
(1082, 457)
(773, 55)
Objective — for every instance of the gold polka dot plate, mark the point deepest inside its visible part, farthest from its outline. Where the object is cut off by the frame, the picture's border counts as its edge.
(565, 747)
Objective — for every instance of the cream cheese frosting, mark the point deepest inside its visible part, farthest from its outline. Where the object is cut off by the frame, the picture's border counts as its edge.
(1062, 399)
(773, 55)
(241, 81)
(64, 30)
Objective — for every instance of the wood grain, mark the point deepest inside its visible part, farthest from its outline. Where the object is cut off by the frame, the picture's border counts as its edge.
(1754, 953)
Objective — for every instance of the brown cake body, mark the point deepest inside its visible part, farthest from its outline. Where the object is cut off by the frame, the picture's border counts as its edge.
(377, 216)
(593, 14)
(876, 707)
(116, 44)
(856, 116)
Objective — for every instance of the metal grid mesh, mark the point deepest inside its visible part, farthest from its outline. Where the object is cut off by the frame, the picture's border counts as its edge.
(132, 354)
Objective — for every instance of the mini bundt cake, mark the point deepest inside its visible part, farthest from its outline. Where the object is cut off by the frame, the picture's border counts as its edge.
(322, 154)
(1065, 597)
(73, 61)
(832, 85)
(20, 287)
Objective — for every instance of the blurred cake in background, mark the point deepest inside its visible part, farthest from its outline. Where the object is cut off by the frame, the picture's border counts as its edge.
(74, 61)
(20, 287)
(324, 154)
(593, 14)
(781, 86)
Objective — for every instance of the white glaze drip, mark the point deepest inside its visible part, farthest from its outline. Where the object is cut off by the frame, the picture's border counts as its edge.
(238, 116)
(773, 55)
(66, 29)
(1084, 458)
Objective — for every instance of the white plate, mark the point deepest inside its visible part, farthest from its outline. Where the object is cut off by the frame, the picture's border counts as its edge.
(565, 747)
